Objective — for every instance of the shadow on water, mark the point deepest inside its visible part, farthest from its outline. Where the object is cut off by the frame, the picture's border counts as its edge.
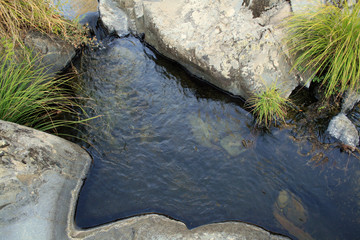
(171, 144)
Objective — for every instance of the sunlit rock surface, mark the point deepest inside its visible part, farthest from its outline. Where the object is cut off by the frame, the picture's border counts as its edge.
(341, 128)
(113, 18)
(38, 173)
(223, 42)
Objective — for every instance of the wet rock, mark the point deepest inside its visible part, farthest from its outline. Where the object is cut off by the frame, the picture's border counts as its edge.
(204, 133)
(291, 207)
(113, 18)
(219, 41)
(233, 145)
(291, 214)
(55, 54)
(341, 128)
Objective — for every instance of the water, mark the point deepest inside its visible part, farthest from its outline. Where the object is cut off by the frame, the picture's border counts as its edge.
(76, 8)
(170, 144)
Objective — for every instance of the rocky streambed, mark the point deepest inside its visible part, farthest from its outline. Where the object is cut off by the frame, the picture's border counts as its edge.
(200, 145)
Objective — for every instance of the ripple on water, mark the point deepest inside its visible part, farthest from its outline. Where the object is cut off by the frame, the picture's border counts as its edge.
(171, 144)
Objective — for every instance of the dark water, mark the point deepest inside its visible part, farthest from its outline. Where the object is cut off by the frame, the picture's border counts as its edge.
(170, 144)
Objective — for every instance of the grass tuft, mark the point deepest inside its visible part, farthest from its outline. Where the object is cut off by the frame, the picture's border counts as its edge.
(326, 41)
(269, 106)
(19, 16)
(32, 98)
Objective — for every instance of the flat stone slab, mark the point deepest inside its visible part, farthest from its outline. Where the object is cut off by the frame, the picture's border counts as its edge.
(40, 179)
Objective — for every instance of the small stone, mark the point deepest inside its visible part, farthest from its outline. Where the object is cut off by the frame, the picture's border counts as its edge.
(283, 199)
(341, 128)
(3, 143)
(2, 153)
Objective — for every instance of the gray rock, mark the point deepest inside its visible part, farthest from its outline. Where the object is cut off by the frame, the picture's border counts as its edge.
(113, 18)
(55, 53)
(351, 98)
(341, 128)
(299, 6)
(36, 185)
(161, 228)
(219, 41)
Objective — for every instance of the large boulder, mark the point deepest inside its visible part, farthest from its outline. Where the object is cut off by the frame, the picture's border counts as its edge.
(234, 47)
(38, 173)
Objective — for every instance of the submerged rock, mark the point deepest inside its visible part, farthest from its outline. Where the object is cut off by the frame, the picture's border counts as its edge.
(233, 145)
(219, 41)
(341, 128)
(291, 214)
(216, 135)
(204, 133)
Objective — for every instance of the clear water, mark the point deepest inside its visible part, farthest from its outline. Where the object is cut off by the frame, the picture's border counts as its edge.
(170, 144)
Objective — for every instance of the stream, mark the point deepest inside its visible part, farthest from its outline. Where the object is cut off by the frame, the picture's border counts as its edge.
(171, 144)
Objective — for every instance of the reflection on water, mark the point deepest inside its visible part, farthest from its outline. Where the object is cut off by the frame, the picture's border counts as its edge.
(76, 8)
(170, 144)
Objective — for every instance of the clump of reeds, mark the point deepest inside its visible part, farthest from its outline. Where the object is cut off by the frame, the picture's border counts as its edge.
(269, 106)
(30, 97)
(326, 41)
(18, 16)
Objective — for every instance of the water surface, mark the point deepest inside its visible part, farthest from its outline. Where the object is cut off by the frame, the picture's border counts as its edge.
(75, 8)
(170, 144)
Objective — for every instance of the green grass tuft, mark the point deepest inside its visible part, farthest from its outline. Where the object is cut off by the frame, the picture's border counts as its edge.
(32, 98)
(326, 41)
(269, 106)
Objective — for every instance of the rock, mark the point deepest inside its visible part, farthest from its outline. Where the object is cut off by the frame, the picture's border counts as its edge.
(300, 6)
(291, 214)
(205, 133)
(341, 128)
(218, 41)
(113, 18)
(291, 207)
(351, 98)
(258, 7)
(159, 227)
(233, 145)
(36, 185)
(55, 53)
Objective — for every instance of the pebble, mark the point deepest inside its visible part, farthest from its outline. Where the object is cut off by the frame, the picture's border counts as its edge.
(3, 143)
